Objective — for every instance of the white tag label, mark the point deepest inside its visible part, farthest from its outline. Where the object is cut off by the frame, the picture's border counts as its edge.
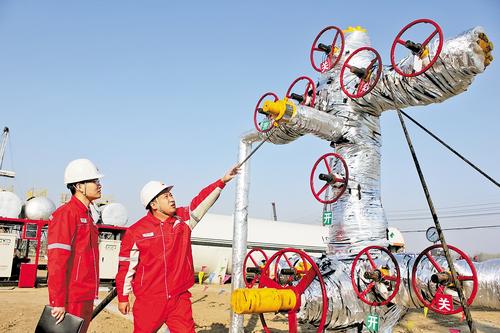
(148, 234)
(83, 220)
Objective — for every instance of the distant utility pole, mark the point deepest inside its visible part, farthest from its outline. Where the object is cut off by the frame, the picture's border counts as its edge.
(274, 211)
(3, 144)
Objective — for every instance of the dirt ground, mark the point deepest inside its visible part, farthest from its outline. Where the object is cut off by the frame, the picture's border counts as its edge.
(21, 310)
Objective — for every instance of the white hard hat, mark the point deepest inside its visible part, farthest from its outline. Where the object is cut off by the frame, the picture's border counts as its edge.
(151, 190)
(395, 237)
(80, 170)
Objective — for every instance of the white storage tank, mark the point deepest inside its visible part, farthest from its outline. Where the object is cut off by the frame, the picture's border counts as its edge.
(10, 205)
(114, 214)
(212, 240)
(39, 208)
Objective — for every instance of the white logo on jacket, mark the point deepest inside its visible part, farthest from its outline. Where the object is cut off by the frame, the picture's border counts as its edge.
(83, 220)
(148, 234)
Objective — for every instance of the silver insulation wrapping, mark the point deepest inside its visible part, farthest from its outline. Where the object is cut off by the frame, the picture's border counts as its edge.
(354, 127)
(359, 219)
(307, 121)
(240, 225)
(461, 59)
(346, 310)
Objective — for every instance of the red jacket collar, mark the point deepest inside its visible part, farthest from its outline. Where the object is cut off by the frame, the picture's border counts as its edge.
(151, 218)
(79, 205)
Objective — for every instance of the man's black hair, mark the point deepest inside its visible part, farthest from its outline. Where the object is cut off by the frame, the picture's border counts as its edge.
(72, 188)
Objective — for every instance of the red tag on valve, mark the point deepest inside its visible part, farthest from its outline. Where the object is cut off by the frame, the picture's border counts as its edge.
(442, 303)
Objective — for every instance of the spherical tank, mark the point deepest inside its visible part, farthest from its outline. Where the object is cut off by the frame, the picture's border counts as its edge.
(10, 205)
(114, 214)
(39, 208)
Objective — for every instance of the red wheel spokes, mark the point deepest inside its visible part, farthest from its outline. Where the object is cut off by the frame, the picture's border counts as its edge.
(363, 76)
(434, 262)
(327, 165)
(331, 58)
(394, 280)
(390, 278)
(431, 36)
(305, 280)
(336, 191)
(291, 266)
(266, 281)
(323, 189)
(258, 273)
(465, 278)
(260, 119)
(370, 259)
(368, 288)
(310, 86)
(442, 288)
(400, 41)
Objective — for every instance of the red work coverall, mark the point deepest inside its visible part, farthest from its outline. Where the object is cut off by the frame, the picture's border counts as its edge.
(73, 255)
(156, 262)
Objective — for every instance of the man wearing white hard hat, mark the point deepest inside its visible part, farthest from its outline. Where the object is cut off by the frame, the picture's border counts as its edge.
(73, 252)
(156, 261)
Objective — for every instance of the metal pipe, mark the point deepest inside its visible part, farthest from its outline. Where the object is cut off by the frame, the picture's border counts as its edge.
(240, 227)
(5, 137)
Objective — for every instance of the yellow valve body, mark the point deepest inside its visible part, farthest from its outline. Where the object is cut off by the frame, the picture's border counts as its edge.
(262, 300)
(279, 108)
(425, 53)
(385, 271)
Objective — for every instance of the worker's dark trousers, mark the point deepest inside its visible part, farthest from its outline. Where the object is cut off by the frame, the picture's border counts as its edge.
(151, 312)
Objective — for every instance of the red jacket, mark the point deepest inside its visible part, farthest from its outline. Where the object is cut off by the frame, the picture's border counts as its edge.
(155, 257)
(73, 252)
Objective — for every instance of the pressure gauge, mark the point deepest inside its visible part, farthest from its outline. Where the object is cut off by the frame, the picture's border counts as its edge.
(432, 235)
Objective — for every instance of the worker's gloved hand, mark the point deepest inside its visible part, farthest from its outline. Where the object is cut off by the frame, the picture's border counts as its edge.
(230, 174)
(58, 312)
(124, 307)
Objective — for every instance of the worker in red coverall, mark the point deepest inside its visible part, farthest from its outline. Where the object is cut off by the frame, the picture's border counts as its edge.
(73, 253)
(155, 258)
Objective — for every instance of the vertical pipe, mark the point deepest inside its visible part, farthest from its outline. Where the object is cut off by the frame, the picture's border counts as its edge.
(275, 217)
(240, 229)
(5, 137)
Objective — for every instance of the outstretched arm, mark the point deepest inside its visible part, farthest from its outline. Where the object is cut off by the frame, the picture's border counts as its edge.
(461, 59)
(205, 199)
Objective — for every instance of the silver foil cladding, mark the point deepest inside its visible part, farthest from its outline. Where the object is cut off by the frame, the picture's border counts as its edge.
(240, 226)
(346, 310)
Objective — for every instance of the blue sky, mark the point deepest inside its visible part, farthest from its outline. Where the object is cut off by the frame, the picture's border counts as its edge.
(154, 90)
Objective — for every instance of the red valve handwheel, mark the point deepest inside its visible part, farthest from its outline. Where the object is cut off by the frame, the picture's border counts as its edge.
(391, 280)
(257, 115)
(310, 86)
(285, 261)
(426, 254)
(306, 278)
(400, 41)
(359, 87)
(328, 59)
(254, 255)
(338, 185)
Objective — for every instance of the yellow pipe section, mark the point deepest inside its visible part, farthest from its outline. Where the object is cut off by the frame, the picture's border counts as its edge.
(279, 108)
(262, 300)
